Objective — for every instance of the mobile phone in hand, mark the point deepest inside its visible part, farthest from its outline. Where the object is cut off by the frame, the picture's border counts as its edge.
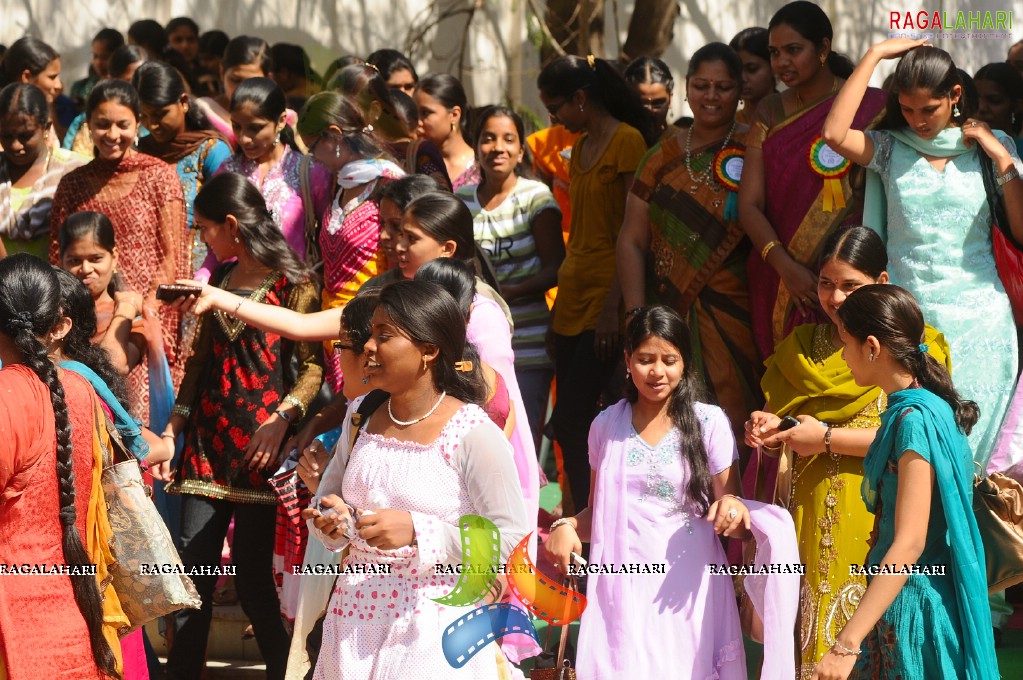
(787, 423)
(169, 292)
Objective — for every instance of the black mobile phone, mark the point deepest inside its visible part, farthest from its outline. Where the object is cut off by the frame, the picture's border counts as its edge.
(169, 292)
(787, 423)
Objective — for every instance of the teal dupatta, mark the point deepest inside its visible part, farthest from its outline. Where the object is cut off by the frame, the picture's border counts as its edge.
(946, 144)
(952, 461)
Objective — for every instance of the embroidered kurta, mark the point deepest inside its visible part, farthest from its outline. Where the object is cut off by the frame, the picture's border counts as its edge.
(235, 380)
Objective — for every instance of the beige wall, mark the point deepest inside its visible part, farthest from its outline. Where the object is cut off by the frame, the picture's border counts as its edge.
(500, 63)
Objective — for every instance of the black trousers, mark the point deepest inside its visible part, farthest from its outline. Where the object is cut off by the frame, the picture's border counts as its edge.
(204, 523)
(582, 378)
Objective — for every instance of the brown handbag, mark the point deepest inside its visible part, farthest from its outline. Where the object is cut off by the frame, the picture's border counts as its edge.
(998, 505)
(563, 668)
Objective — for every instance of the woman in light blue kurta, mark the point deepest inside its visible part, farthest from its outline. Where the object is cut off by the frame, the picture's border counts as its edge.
(937, 224)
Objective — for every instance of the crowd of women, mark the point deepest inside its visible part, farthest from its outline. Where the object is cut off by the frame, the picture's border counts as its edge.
(360, 291)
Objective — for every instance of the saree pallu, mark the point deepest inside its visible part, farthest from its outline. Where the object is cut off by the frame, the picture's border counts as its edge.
(696, 265)
(794, 205)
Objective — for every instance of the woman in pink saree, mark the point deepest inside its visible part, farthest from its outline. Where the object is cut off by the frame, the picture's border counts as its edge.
(795, 190)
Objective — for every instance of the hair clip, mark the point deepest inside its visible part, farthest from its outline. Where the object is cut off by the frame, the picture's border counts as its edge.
(368, 130)
(923, 347)
(372, 66)
(591, 60)
(463, 366)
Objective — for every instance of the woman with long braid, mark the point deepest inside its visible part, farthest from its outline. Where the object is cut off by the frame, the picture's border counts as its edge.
(50, 501)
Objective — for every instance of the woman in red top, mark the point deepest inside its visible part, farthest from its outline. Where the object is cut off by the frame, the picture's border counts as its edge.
(140, 194)
(47, 504)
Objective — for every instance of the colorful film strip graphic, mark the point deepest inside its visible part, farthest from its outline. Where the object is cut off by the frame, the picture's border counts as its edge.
(464, 638)
(544, 599)
(481, 553)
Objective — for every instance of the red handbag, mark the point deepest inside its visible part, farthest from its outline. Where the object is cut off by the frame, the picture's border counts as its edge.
(1008, 253)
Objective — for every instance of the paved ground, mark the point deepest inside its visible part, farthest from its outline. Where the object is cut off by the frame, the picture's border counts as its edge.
(1010, 654)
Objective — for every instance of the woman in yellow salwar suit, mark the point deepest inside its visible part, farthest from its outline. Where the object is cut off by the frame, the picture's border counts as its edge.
(815, 469)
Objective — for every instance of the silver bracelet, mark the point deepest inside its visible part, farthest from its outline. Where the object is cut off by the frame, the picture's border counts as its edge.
(851, 652)
(558, 522)
(238, 306)
(1008, 177)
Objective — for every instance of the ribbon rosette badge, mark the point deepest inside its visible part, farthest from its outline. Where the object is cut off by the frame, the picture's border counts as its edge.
(728, 170)
(481, 554)
(832, 166)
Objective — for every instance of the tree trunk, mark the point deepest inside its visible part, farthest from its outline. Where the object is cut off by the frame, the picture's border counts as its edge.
(651, 28)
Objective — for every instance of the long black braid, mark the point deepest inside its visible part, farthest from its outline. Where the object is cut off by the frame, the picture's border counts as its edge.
(29, 308)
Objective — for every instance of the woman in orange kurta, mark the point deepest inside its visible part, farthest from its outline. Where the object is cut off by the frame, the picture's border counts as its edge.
(51, 509)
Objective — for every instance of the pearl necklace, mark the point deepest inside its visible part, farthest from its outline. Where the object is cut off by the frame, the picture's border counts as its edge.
(707, 175)
(406, 423)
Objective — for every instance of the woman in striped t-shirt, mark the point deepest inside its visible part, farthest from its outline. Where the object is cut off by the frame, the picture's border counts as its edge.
(518, 223)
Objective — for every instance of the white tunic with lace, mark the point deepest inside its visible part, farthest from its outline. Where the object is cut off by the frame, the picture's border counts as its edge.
(387, 626)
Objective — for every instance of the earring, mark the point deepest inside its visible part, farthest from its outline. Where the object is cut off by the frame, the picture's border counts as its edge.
(277, 139)
(955, 111)
(823, 59)
(1013, 121)
(237, 240)
(425, 367)
(337, 151)
(871, 358)
(628, 374)
(581, 108)
(365, 380)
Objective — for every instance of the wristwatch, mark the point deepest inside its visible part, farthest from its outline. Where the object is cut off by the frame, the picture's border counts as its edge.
(283, 415)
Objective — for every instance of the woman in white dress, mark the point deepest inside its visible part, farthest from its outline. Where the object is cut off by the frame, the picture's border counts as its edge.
(426, 457)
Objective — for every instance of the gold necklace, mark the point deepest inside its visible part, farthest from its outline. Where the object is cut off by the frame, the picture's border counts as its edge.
(834, 89)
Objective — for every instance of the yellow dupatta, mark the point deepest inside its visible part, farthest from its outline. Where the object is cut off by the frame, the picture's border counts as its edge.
(795, 384)
(100, 535)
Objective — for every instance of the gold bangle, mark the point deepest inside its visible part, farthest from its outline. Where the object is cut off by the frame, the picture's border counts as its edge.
(767, 249)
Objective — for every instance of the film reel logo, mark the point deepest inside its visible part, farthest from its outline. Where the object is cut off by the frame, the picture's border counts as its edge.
(481, 555)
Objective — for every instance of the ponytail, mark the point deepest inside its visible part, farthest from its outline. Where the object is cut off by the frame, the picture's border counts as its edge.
(566, 75)
(891, 315)
(29, 307)
(840, 65)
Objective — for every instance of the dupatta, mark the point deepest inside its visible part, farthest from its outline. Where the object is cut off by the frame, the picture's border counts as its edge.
(775, 596)
(946, 144)
(952, 460)
(795, 384)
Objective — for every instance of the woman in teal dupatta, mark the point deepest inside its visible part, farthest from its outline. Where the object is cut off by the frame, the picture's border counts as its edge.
(924, 613)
